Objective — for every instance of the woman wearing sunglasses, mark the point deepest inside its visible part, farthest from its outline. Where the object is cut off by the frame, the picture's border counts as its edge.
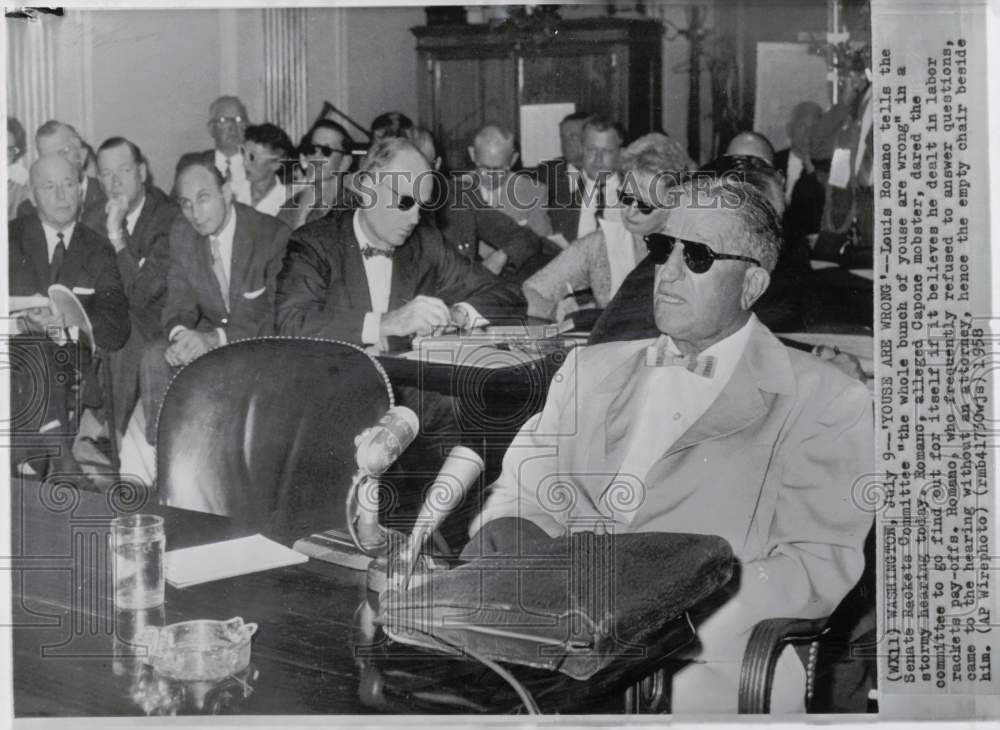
(601, 260)
(266, 150)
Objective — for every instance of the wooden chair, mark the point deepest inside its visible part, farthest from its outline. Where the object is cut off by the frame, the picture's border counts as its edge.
(262, 430)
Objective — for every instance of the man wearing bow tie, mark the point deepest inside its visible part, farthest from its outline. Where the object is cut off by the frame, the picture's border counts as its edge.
(717, 428)
(380, 272)
(224, 258)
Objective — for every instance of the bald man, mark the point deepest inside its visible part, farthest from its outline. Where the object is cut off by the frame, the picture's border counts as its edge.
(50, 246)
(751, 144)
(493, 215)
(58, 138)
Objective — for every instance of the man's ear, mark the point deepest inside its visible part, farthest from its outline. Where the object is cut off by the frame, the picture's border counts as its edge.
(143, 172)
(755, 283)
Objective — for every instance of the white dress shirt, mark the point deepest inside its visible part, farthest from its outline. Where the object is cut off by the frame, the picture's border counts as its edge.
(588, 206)
(673, 399)
(378, 272)
(233, 166)
(271, 203)
(620, 246)
(52, 239)
(226, 237)
(792, 174)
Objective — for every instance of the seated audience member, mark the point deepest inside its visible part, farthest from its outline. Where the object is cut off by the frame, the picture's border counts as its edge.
(390, 124)
(59, 138)
(479, 217)
(324, 159)
(224, 257)
(730, 434)
(580, 193)
(751, 144)
(804, 190)
(137, 222)
(377, 272)
(559, 175)
(601, 260)
(267, 153)
(227, 123)
(50, 246)
(17, 173)
(423, 140)
(787, 303)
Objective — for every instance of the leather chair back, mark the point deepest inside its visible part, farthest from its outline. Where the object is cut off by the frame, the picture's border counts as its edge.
(262, 430)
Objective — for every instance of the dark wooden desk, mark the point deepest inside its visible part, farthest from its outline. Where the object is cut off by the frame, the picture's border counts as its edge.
(314, 651)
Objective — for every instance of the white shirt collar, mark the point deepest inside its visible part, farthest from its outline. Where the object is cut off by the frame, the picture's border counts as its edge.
(271, 203)
(378, 270)
(727, 351)
(52, 240)
(226, 236)
(222, 162)
(132, 217)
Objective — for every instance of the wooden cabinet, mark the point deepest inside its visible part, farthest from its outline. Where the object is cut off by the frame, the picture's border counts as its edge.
(471, 75)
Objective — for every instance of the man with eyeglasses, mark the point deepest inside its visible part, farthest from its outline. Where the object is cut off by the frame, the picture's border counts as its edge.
(725, 432)
(378, 271)
(324, 159)
(137, 222)
(49, 247)
(58, 138)
(227, 123)
(493, 216)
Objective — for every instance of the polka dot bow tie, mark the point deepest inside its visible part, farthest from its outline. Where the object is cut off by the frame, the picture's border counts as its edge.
(658, 356)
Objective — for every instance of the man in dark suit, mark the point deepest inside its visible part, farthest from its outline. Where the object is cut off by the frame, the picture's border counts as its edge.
(58, 138)
(224, 257)
(373, 273)
(137, 222)
(50, 247)
(227, 123)
(804, 190)
(580, 192)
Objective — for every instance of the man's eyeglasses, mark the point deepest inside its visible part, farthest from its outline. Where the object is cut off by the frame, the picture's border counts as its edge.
(311, 148)
(630, 200)
(698, 256)
(226, 120)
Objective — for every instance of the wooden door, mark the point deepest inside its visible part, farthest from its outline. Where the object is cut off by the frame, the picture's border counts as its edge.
(589, 76)
(469, 92)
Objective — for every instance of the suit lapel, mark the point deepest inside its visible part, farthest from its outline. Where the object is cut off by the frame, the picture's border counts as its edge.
(38, 252)
(355, 276)
(243, 245)
(203, 256)
(622, 385)
(405, 272)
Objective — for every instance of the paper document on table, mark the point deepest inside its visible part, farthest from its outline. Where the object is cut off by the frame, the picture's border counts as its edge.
(18, 304)
(226, 559)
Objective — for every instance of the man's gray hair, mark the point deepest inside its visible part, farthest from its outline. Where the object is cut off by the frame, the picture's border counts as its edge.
(384, 151)
(230, 99)
(760, 228)
(54, 126)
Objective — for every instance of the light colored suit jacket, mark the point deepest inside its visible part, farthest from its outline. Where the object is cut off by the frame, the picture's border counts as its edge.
(775, 466)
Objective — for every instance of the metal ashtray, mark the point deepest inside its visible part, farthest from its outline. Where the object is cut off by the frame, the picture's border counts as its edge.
(199, 651)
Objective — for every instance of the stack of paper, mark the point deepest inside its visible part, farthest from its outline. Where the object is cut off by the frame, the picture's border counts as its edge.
(218, 560)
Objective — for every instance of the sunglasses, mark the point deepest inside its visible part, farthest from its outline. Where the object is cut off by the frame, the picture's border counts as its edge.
(403, 202)
(630, 200)
(311, 148)
(698, 256)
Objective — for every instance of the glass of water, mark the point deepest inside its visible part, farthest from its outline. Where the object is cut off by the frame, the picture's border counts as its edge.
(137, 547)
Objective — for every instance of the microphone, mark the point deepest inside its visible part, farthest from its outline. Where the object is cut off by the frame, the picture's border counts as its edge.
(459, 472)
(378, 447)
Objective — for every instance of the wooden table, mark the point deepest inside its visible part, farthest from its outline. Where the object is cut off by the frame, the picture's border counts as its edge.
(315, 652)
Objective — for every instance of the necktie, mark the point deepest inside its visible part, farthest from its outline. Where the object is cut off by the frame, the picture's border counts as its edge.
(370, 251)
(219, 270)
(57, 258)
(658, 356)
(599, 210)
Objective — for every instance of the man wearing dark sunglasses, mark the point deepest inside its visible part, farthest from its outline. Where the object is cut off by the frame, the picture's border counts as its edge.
(324, 159)
(379, 271)
(721, 429)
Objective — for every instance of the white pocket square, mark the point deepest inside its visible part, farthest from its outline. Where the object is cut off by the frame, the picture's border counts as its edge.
(82, 290)
(254, 294)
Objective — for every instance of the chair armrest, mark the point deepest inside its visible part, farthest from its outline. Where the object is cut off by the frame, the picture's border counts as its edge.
(767, 640)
